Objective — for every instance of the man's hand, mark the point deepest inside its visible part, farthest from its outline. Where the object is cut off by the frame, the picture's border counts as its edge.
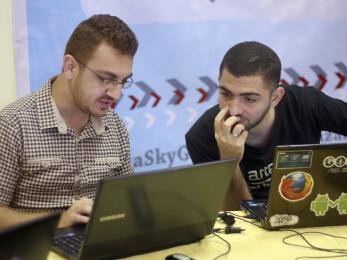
(230, 135)
(78, 213)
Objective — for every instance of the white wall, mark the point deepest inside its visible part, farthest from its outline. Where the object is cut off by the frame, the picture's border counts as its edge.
(7, 66)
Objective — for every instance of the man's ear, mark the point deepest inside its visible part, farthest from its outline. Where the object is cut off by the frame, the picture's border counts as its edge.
(70, 66)
(276, 96)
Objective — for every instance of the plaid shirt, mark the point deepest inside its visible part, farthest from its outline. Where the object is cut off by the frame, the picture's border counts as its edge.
(44, 165)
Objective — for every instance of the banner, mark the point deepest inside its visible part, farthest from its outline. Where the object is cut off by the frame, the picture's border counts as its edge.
(181, 46)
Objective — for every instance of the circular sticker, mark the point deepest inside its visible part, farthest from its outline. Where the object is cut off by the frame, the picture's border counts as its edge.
(296, 186)
(329, 162)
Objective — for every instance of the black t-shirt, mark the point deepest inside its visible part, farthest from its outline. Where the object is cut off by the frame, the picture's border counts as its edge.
(300, 117)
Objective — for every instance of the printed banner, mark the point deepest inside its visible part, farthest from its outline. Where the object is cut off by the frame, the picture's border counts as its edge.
(181, 46)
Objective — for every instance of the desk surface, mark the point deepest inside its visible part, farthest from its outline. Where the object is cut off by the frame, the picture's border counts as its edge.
(253, 243)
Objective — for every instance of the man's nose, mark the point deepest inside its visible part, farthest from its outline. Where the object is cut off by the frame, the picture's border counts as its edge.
(115, 93)
(235, 108)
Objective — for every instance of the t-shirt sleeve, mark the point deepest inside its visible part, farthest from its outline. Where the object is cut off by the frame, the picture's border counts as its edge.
(10, 143)
(329, 113)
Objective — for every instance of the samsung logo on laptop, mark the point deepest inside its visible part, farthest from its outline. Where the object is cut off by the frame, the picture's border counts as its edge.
(112, 217)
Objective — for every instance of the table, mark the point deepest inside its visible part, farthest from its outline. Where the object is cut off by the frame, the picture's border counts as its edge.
(253, 243)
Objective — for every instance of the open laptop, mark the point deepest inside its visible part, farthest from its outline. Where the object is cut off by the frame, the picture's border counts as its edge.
(149, 211)
(308, 188)
(30, 240)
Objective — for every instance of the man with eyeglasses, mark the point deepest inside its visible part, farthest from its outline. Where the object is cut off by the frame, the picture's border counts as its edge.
(57, 143)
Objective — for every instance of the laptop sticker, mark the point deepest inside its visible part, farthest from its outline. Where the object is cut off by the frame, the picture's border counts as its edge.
(342, 204)
(294, 159)
(323, 203)
(296, 186)
(338, 164)
(280, 220)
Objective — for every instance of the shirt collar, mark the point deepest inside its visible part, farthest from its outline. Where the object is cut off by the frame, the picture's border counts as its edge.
(49, 116)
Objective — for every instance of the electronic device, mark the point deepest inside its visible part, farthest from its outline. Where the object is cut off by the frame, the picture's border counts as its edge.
(308, 188)
(178, 256)
(30, 240)
(150, 211)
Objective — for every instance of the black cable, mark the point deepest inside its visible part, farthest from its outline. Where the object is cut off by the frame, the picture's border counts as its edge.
(310, 245)
(228, 245)
(318, 257)
(245, 220)
(342, 252)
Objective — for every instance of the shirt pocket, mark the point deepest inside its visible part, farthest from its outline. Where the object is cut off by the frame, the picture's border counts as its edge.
(45, 173)
(100, 168)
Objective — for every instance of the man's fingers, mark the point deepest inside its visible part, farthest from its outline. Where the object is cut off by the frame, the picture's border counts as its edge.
(243, 136)
(78, 212)
(237, 130)
(229, 125)
(86, 201)
(83, 206)
(219, 119)
(85, 210)
(80, 219)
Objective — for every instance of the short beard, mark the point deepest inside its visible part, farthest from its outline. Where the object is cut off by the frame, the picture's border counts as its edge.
(258, 121)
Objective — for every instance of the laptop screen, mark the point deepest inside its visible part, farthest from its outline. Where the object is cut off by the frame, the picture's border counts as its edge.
(31, 240)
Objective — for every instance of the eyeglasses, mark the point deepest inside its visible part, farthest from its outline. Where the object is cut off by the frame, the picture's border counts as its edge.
(109, 83)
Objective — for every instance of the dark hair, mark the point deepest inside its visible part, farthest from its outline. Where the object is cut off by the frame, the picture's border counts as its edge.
(253, 59)
(90, 33)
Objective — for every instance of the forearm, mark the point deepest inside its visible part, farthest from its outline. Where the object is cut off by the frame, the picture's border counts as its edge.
(10, 217)
(237, 191)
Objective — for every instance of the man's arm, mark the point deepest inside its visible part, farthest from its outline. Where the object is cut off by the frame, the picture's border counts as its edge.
(11, 217)
(237, 191)
(231, 138)
(78, 213)
(224, 146)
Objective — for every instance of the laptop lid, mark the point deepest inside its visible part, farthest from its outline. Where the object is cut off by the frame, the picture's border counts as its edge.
(308, 186)
(31, 240)
(150, 211)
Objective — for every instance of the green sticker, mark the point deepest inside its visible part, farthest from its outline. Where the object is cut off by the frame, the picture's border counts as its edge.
(322, 203)
(342, 204)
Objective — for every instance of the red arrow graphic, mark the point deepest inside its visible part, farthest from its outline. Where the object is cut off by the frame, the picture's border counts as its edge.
(157, 99)
(180, 96)
(135, 102)
(323, 81)
(204, 95)
(303, 80)
(284, 82)
(342, 80)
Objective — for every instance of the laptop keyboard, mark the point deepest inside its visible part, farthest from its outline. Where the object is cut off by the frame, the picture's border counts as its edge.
(68, 245)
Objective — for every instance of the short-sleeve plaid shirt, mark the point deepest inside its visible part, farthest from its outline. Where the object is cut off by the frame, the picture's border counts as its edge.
(44, 166)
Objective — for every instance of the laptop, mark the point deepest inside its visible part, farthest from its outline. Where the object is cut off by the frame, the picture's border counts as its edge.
(30, 240)
(308, 188)
(145, 212)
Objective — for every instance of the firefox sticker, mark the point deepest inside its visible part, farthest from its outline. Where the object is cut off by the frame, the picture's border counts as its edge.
(296, 186)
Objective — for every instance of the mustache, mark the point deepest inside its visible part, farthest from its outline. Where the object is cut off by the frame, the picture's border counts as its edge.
(107, 99)
(229, 115)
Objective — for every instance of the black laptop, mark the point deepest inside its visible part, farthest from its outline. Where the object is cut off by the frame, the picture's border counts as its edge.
(150, 211)
(308, 188)
(31, 240)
